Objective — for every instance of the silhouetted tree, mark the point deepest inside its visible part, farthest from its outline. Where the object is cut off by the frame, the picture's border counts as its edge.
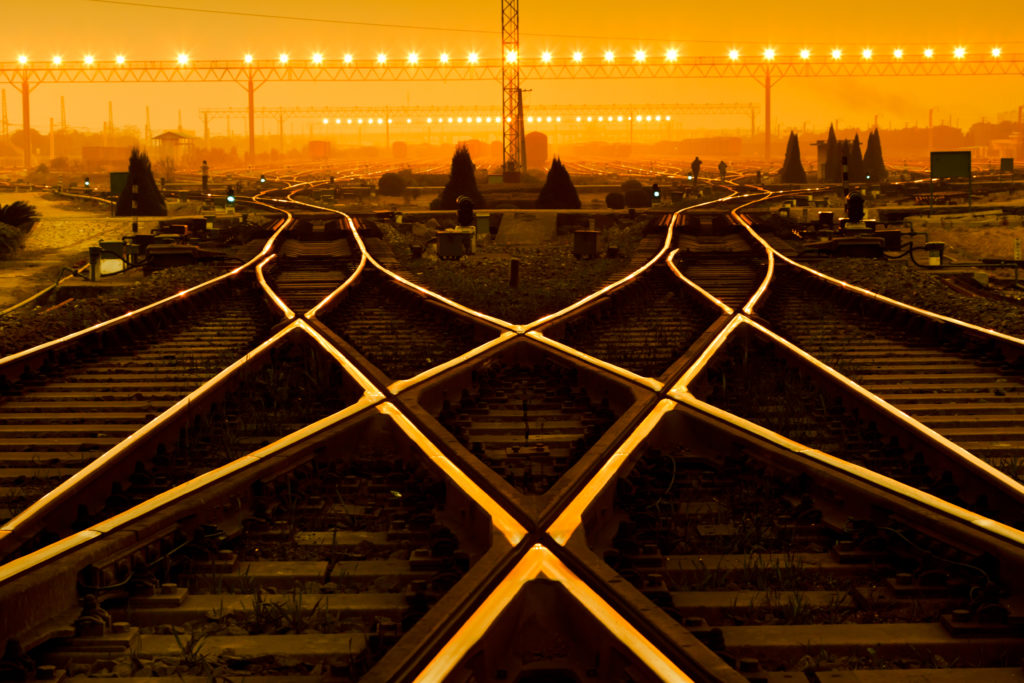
(615, 200)
(558, 191)
(856, 161)
(874, 166)
(833, 162)
(461, 182)
(792, 169)
(632, 184)
(149, 201)
(391, 185)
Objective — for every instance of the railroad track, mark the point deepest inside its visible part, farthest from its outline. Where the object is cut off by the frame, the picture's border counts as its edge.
(72, 409)
(718, 256)
(311, 265)
(645, 327)
(966, 387)
(649, 485)
(395, 330)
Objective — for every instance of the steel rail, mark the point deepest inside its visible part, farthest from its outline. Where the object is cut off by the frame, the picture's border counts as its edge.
(540, 562)
(1014, 342)
(47, 580)
(287, 312)
(13, 365)
(670, 261)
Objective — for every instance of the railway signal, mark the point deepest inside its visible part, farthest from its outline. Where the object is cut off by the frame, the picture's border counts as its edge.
(656, 191)
(263, 179)
(87, 182)
(231, 195)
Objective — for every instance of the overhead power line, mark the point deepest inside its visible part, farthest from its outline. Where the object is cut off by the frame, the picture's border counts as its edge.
(347, 22)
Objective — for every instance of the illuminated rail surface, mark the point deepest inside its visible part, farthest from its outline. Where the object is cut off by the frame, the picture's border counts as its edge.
(675, 478)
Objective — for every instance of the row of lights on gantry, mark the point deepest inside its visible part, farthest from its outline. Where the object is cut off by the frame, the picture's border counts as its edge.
(497, 119)
(639, 56)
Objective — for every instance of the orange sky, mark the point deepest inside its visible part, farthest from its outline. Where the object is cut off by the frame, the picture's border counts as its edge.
(75, 27)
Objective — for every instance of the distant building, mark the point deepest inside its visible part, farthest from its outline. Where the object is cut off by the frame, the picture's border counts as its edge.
(173, 145)
(536, 150)
(319, 149)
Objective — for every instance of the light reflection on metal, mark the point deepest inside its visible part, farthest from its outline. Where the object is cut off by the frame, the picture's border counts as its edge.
(682, 386)
(615, 285)
(504, 522)
(539, 562)
(873, 478)
(364, 383)
(973, 462)
(84, 477)
(879, 297)
(403, 384)
(572, 516)
(288, 313)
(144, 509)
(670, 260)
(647, 382)
(54, 343)
(450, 302)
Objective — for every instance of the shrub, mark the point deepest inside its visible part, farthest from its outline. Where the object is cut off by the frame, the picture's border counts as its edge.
(874, 166)
(638, 198)
(391, 185)
(558, 191)
(792, 170)
(632, 184)
(19, 215)
(615, 200)
(149, 201)
(461, 182)
(11, 239)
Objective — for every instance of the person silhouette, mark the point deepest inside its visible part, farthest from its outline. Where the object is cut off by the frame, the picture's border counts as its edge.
(722, 166)
(695, 169)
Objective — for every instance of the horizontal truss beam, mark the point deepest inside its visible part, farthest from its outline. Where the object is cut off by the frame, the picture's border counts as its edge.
(490, 70)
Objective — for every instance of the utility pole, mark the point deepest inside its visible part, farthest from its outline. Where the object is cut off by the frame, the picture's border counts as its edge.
(1020, 129)
(511, 109)
(149, 130)
(3, 116)
(522, 131)
(26, 125)
(110, 116)
(63, 115)
(767, 113)
(931, 131)
(252, 120)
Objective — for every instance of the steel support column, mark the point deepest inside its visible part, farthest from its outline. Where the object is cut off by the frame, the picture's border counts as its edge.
(252, 122)
(25, 122)
(511, 125)
(767, 113)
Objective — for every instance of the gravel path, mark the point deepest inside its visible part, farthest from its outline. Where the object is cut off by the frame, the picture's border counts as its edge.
(60, 239)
